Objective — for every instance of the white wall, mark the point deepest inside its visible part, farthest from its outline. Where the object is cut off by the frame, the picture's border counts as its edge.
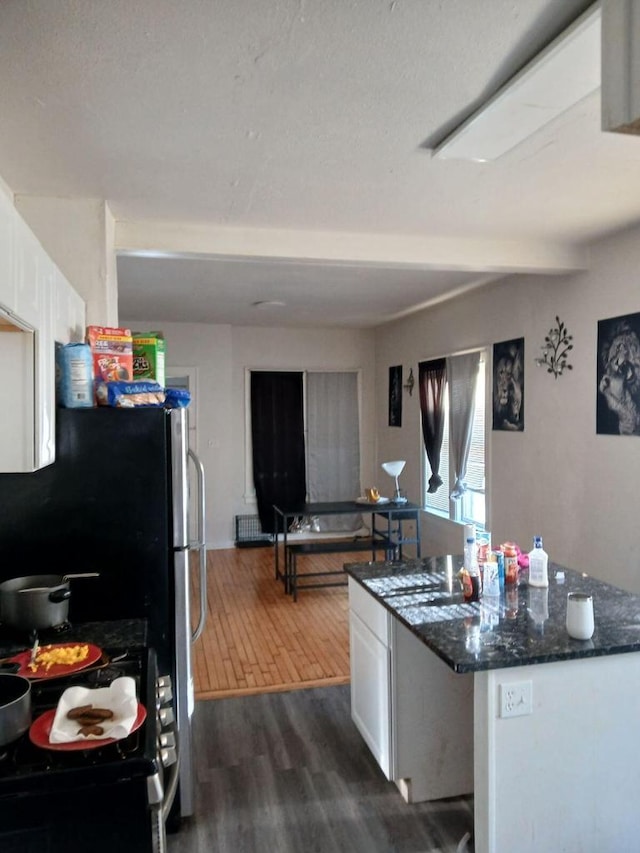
(221, 354)
(557, 478)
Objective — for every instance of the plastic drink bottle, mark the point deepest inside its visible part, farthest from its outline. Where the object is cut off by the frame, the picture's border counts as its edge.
(471, 583)
(538, 564)
(510, 563)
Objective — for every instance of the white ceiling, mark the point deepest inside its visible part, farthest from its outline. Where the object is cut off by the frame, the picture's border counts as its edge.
(279, 150)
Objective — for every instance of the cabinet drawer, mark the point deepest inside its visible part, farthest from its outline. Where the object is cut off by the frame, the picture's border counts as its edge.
(370, 611)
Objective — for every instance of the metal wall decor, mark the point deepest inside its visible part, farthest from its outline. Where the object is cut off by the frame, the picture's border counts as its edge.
(408, 385)
(557, 346)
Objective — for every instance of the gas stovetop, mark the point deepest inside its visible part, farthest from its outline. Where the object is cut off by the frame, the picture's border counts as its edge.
(27, 768)
(116, 634)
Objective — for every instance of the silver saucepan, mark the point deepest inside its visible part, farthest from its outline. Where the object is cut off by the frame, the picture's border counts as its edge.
(15, 707)
(36, 602)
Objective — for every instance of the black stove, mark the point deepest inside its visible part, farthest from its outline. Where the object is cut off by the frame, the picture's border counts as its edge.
(101, 798)
(118, 634)
(26, 767)
(15, 639)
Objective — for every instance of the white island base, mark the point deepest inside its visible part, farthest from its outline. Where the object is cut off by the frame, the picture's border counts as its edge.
(560, 778)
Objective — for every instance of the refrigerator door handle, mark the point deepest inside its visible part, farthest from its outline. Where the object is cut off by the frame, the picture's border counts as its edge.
(201, 545)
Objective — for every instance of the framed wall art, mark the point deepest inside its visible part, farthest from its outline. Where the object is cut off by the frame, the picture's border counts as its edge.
(618, 377)
(508, 385)
(395, 396)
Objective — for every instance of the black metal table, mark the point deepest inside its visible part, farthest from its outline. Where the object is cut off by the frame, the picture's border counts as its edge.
(389, 537)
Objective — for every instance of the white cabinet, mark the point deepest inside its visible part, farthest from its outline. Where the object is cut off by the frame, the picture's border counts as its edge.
(370, 656)
(45, 387)
(68, 311)
(37, 306)
(17, 424)
(29, 263)
(370, 684)
(414, 713)
(7, 284)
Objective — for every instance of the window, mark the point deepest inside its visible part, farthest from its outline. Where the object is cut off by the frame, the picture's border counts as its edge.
(471, 506)
(331, 428)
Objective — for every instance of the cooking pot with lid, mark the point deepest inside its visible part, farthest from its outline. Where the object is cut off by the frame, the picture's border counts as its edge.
(37, 602)
(15, 707)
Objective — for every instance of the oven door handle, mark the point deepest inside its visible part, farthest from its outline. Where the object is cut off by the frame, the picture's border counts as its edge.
(171, 785)
(165, 785)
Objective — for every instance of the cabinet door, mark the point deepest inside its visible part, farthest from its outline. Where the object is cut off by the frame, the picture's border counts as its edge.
(7, 283)
(371, 691)
(28, 259)
(31, 315)
(68, 311)
(17, 422)
(45, 446)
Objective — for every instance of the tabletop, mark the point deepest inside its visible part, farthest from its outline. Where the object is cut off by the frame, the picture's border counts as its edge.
(524, 625)
(345, 508)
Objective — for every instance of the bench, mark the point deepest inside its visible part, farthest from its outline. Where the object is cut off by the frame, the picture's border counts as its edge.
(328, 546)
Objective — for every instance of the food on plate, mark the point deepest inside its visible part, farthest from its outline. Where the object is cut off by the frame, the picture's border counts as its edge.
(87, 730)
(74, 713)
(87, 715)
(373, 495)
(49, 656)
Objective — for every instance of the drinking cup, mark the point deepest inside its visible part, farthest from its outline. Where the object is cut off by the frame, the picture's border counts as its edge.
(580, 622)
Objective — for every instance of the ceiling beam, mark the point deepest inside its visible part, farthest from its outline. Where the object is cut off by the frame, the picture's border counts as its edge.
(157, 239)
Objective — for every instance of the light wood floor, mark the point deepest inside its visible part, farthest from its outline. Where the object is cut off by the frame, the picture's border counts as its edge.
(257, 639)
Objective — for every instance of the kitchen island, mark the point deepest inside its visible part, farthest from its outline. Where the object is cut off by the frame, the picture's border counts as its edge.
(494, 698)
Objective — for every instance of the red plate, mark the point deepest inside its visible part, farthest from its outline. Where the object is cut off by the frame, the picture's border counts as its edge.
(41, 729)
(57, 668)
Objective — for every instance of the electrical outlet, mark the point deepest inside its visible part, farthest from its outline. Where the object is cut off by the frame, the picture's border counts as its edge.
(516, 699)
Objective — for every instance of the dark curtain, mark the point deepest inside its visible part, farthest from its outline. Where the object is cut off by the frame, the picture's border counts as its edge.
(432, 378)
(277, 434)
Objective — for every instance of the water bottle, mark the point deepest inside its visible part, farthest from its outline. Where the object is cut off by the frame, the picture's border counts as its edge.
(538, 564)
(471, 571)
(471, 554)
(469, 531)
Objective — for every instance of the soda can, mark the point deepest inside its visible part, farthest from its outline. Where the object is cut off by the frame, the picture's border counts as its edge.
(490, 579)
(499, 558)
(483, 540)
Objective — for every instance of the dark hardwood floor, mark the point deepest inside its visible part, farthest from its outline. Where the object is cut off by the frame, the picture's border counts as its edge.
(289, 773)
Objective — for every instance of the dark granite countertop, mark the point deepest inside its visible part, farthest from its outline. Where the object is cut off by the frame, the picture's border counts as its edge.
(524, 625)
(115, 635)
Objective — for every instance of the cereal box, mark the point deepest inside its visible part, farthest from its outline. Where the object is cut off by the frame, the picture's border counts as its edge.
(148, 356)
(112, 350)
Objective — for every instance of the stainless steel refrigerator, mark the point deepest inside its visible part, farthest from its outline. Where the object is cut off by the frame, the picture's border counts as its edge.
(116, 501)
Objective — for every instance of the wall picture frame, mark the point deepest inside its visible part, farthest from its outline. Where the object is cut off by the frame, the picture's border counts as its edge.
(508, 385)
(395, 396)
(618, 376)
